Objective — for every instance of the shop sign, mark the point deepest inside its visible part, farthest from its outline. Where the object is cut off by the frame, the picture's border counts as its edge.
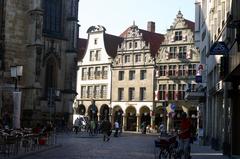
(219, 48)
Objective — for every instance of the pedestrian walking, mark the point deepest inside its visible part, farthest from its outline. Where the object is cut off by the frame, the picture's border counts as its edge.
(185, 135)
(144, 127)
(76, 125)
(106, 128)
(116, 126)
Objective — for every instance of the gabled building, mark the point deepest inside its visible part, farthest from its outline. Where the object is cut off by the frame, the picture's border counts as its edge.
(176, 68)
(133, 77)
(94, 76)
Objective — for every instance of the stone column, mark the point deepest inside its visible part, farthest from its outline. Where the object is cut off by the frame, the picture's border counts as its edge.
(17, 109)
(138, 123)
(152, 115)
(124, 122)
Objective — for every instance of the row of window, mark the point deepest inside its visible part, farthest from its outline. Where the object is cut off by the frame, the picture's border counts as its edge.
(94, 91)
(132, 76)
(92, 73)
(173, 91)
(131, 94)
(177, 70)
(178, 36)
(95, 55)
(133, 44)
(178, 53)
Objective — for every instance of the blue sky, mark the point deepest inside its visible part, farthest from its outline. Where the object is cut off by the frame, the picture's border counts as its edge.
(118, 15)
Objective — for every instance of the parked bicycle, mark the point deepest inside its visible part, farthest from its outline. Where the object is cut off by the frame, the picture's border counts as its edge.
(170, 147)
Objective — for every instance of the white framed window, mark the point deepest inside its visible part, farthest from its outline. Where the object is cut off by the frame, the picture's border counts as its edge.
(104, 91)
(162, 91)
(173, 53)
(121, 75)
(90, 92)
(142, 93)
(191, 69)
(130, 45)
(172, 70)
(91, 56)
(120, 94)
(84, 73)
(181, 70)
(131, 93)
(181, 91)
(178, 35)
(98, 55)
(127, 58)
(171, 91)
(98, 73)
(162, 70)
(97, 91)
(135, 44)
(131, 75)
(91, 73)
(105, 72)
(143, 74)
(83, 92)
(182, 52)
(138, 58)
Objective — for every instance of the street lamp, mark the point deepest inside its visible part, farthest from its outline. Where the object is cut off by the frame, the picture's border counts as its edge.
(16, 73)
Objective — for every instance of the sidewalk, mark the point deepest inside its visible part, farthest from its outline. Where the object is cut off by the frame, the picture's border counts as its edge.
(205, 152)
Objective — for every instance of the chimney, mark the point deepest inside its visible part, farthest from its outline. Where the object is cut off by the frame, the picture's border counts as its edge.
(151, 26)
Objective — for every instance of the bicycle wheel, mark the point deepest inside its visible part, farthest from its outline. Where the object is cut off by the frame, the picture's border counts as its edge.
(164, 154)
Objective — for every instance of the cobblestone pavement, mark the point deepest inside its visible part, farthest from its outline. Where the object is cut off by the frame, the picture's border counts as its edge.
(128, 146)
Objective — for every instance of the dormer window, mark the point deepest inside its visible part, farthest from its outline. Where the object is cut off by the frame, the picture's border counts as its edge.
(135, 45)
(130, 45)
(178, 35)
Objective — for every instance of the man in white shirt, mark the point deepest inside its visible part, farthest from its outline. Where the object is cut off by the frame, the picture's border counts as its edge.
(116, 125)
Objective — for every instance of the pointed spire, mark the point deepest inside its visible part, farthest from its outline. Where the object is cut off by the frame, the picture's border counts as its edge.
(133, 22)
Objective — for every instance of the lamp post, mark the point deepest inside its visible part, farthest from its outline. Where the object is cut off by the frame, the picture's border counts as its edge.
(16, 73)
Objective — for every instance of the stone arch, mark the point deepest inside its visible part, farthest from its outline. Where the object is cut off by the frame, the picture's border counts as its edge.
(104, 112)
(131, 118)
(117, 114)
(81, 109)
(144, 113)
(160, 115)
(92, 112)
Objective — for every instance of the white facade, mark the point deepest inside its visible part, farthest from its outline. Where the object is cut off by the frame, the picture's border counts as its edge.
(94, 74)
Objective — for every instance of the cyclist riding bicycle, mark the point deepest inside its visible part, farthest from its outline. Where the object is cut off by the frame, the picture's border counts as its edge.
(185, 136)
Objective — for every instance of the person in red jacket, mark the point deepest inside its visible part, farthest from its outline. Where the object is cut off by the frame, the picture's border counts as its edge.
(185, 136)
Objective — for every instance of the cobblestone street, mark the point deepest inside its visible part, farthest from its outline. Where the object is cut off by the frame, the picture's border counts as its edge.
(128, 146)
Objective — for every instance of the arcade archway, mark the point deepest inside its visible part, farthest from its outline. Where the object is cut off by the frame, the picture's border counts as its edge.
(104, 112)
(145, 115)
(131, 119)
